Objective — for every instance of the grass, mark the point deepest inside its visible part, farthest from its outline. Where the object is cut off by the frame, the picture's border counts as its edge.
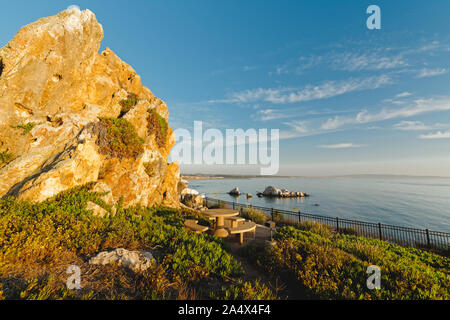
(38, 241)
(120, 139)
(156, 124)
(27, 127)
(5, 158)
(334, 266)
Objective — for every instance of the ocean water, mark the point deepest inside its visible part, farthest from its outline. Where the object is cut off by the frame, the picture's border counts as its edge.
(411, 202)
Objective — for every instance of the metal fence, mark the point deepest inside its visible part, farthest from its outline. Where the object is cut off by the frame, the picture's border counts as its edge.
(412, 237)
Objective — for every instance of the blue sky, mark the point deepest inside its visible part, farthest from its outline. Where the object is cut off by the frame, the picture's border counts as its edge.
(346, 99)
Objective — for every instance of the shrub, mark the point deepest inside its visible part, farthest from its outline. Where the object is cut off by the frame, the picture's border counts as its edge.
(5, 158)
(25, 127)
(348, 230)
(314, 227)
(255, 215)
(277, 216)
(335, 268)
(156, 124)
(41, 237)
(128, 103)
(245, 291)
(120, 139)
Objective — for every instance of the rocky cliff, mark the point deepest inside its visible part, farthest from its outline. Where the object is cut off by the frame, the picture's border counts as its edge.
(70, 116)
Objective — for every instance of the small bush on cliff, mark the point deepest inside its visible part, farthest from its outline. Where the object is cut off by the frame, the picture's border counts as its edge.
(121, 139)
(128, 103)
(5, 158)
(158, 125)
(27, 127)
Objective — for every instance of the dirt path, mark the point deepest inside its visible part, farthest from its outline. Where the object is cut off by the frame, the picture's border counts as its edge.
(284, 286)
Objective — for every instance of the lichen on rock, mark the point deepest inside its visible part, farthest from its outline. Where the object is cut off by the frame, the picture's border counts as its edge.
(70, 115)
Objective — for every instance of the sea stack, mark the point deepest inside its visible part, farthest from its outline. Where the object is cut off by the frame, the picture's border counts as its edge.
(70, 115)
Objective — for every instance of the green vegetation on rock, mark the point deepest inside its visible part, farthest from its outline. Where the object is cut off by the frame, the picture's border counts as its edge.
(128, 103)
(120, 139)
(25, 127)
(5, 158)
(156, 124)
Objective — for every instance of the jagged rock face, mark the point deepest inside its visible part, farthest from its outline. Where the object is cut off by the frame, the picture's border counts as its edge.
(54, 88)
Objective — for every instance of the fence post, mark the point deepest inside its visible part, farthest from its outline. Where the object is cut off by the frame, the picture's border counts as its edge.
(337, 224)
(233, 205)
(379, 231)
(428, 238)
(299, 216)
(271, 214)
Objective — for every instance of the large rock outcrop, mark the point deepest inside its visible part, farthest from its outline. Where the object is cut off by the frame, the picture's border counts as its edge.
(70, 115)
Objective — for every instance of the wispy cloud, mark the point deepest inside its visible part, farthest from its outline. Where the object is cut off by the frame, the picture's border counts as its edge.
(298, 126)
(418, 106)
(436, 135)
(340, 146)
(412, 126)
(292, 95)
(426, 73)
(403, 94)
(366, 61)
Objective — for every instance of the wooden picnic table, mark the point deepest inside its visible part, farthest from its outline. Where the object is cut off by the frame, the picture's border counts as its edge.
(220, 215)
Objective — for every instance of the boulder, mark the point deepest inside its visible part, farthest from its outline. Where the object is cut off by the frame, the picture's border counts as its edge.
(193, 201)
(189, 191)
(136, 260)
(54, 90)
(235, 192)
(281, 193)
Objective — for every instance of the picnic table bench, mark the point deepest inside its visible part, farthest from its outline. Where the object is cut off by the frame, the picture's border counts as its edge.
(194, 226)
(235, 221)
(247, 226)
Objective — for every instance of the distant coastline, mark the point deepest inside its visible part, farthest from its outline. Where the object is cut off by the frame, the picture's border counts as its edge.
(201, 176)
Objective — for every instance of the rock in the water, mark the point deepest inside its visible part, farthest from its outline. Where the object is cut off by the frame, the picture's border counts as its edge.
(249, 196)
(54, 87)
(235, 192)
(138, 261)
(280, 193)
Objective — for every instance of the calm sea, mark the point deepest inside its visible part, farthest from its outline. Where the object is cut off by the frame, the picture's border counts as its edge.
(412, 202)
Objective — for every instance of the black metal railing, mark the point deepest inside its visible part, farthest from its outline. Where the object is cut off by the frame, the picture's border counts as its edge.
(405, 236)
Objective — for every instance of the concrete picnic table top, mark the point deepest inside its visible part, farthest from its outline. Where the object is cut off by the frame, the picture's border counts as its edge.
(220, 214)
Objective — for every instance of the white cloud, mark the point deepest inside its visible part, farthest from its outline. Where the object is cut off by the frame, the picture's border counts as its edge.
(340, 146)
(411, 126)
(366, 61)
(290, 95)
(298, 126)
(436, 135)
(419, 106)
(403, 94)
(426, 73)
